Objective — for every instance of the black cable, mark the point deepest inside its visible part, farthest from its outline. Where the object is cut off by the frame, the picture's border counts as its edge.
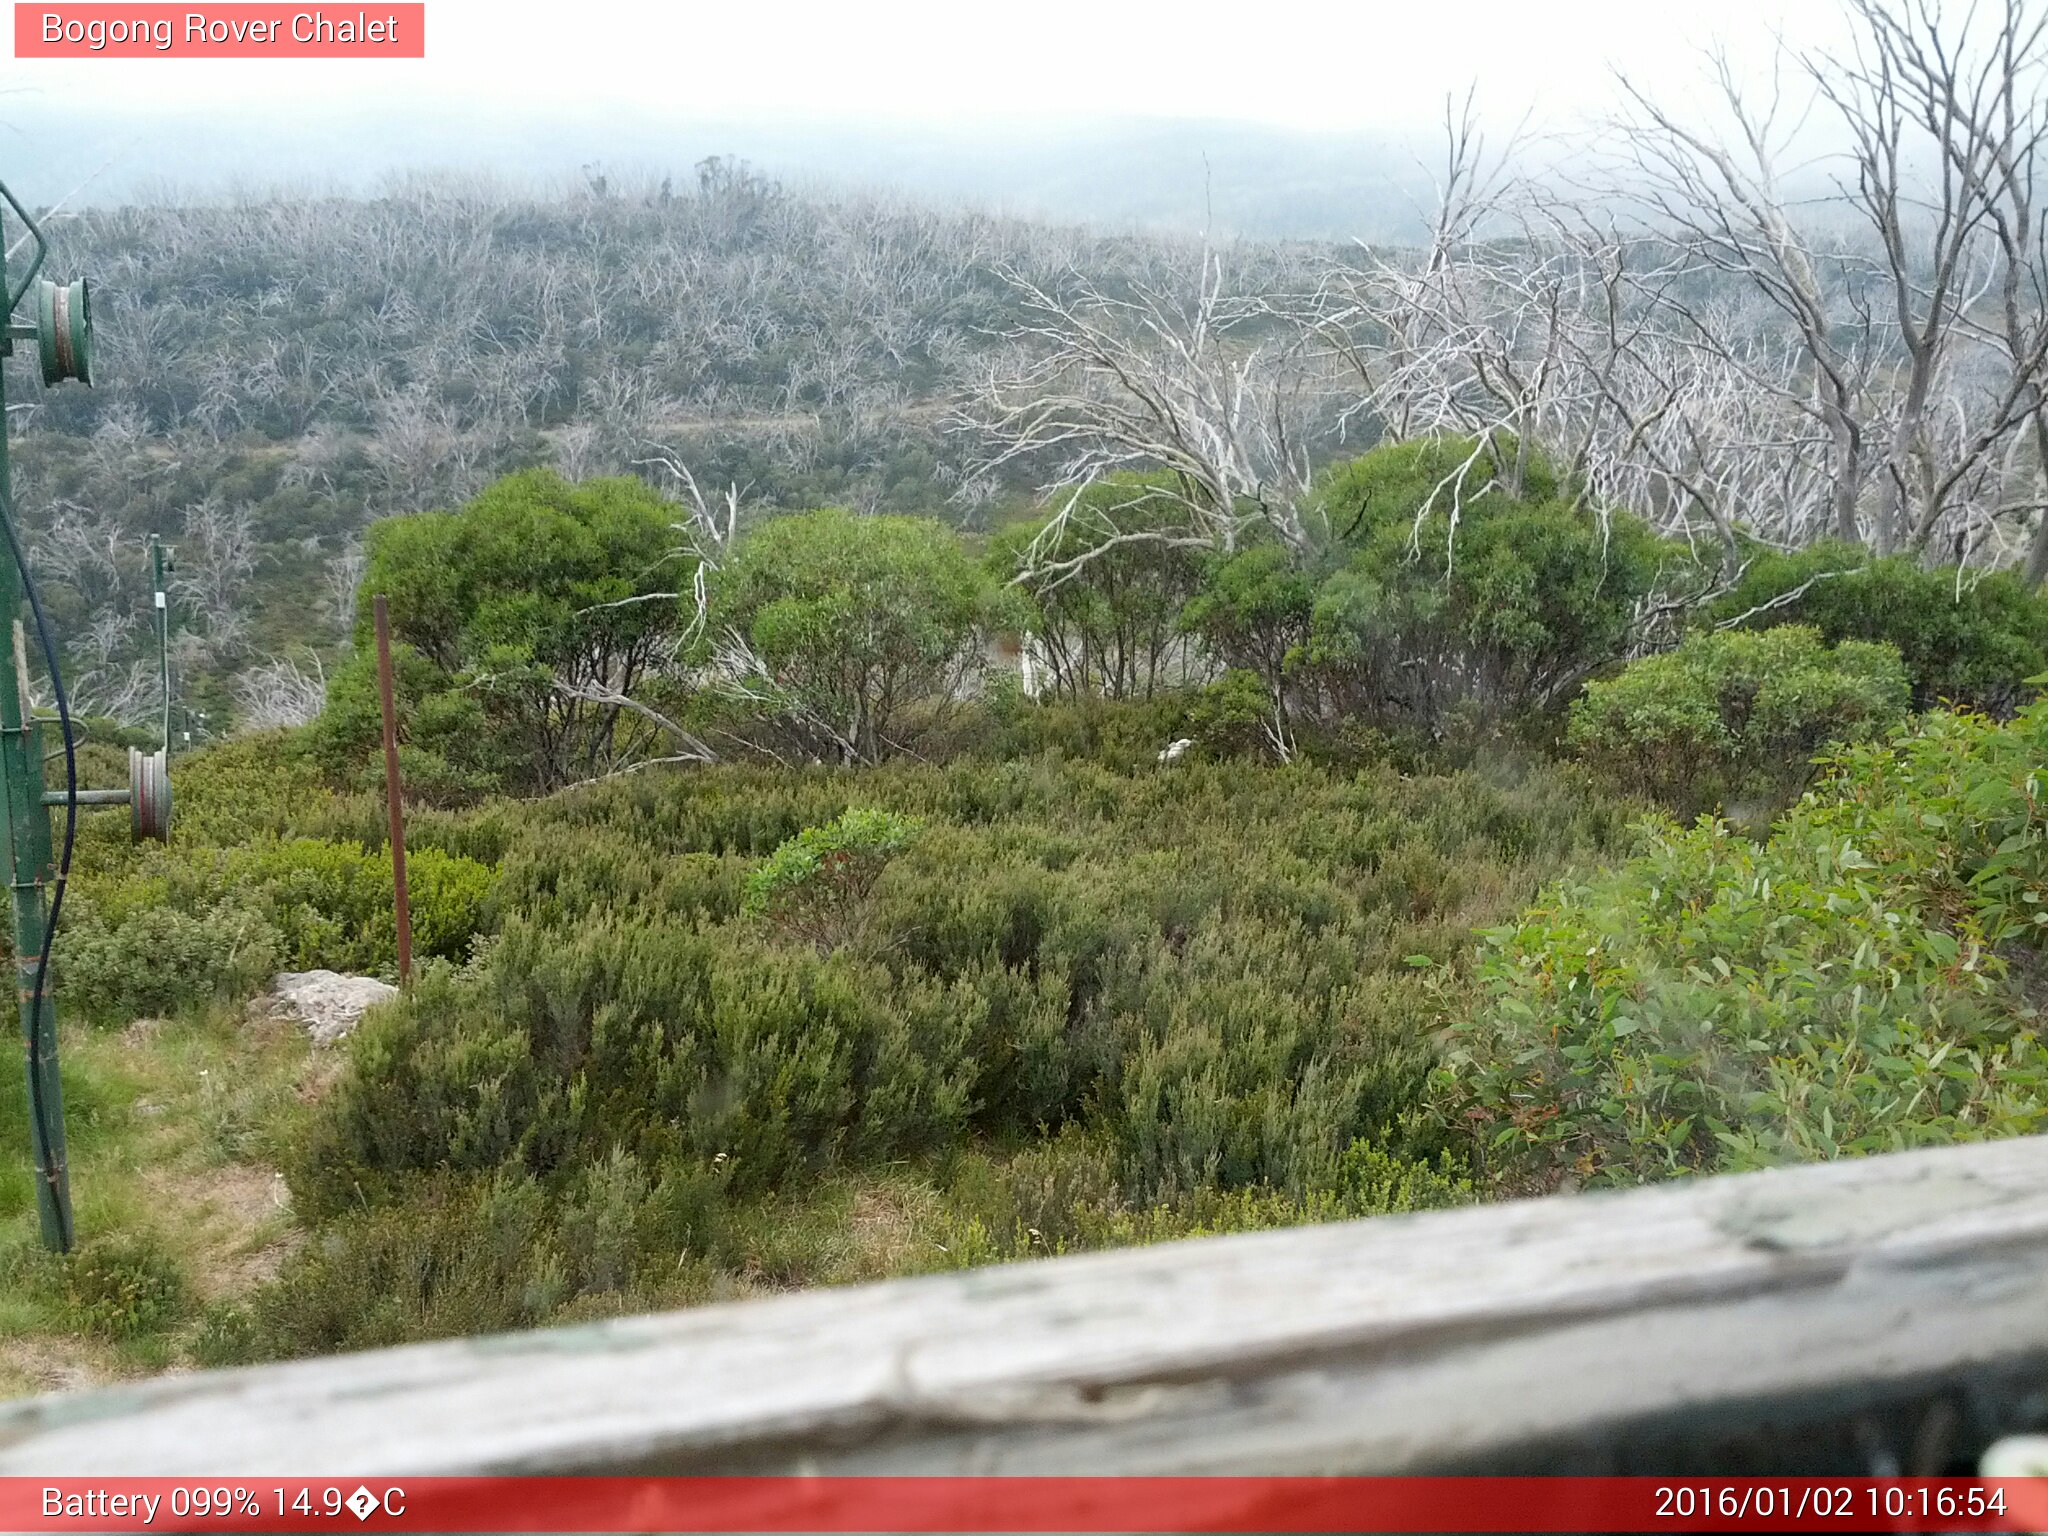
(37, 1106)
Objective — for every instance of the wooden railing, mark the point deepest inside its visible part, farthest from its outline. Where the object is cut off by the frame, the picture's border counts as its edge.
(1892, 1311)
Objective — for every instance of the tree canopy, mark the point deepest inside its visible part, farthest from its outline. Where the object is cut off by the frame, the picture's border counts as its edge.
(542, 603)
(851, 618)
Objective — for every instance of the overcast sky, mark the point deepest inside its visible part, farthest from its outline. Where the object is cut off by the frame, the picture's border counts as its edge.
(1284, 117)
(1302, 64)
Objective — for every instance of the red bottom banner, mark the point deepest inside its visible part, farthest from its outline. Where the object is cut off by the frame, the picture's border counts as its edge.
(1023, 1504)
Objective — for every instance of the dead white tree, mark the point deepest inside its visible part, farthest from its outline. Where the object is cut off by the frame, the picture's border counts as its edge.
(92, 556)
(108, 679)
(1721, 200)
(216, 559)
(1946, 120)
(1174, 380)
(341, 581)
(711, 525)
(1413, 329)
(1470, 336)
(1677, 405)
(1709, 331)
(279, 692)
(1912, 291)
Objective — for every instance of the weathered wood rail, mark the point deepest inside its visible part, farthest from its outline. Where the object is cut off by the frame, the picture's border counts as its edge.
(1892, 1311)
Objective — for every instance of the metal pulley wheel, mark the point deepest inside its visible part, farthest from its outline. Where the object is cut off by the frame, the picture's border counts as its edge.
(149, 796)
(64, 330)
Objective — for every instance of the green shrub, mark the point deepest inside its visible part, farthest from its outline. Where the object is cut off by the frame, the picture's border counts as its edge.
(816, 885)
(1103, 577)
(1969, 637)
(1164, 1003)
(1735, 716)
(853, 617)
(1232, 715)
(235, 791)
(261, 785)
(1437, 597)
(181, 926)
(1849, 986)
(1062, 1197)
(1204, 967)
(226, 1336)
(448, 753)
(1253, 613)
(1447, 590)
(1374, 1181)
(331, 903)
(125, 1285)
(1121, 734)
(159, 961)
(508, 614)
(461, 1258)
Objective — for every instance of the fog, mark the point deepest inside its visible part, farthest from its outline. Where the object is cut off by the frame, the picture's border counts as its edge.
(1317, 121)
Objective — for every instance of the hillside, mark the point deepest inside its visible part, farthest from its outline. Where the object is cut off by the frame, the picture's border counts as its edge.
(275, 374)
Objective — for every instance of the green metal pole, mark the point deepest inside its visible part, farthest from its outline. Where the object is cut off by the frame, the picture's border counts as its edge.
(163, 632)
(29, 869)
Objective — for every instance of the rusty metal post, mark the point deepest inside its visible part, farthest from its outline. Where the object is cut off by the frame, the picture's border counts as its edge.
(401, 903)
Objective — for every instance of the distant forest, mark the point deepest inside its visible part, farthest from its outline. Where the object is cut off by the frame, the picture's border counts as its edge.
(274, 375)
(1749, 368)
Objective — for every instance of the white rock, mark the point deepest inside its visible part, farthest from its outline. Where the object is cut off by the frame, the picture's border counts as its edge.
(327, 1003)
(1175, 748)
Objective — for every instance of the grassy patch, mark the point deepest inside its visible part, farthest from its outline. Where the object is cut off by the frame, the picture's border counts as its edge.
(175, 1128)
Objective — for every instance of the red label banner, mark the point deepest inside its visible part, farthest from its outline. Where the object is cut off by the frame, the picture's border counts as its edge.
(222, 31)
(1024, 1504)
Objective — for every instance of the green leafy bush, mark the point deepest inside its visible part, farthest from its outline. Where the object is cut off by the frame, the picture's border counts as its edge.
(331, 903)
(1126, 735)
(447, 752)
(816, 885)
(1857, 983)
(124, 1285)
(263, 784)
(1253, 613)
(1233, 714)
(1435, 595)
(1969, 637)
(462, 1258)
(1104, 576)
(180, 926)
(158, 961)
(1735, 716)
(514, 616)
(854, 617)
(1447, 590)
(1062, 1196)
